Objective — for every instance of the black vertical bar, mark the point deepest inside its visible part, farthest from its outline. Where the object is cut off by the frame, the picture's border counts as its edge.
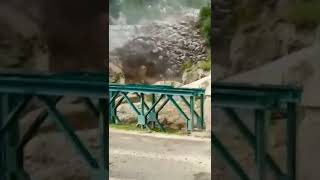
(104, 138)
(291, 141)
(111, 109)
(260, 130)
(3, 145)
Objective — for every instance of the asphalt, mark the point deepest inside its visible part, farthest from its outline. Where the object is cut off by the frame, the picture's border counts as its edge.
(136, 156)
(132, 156)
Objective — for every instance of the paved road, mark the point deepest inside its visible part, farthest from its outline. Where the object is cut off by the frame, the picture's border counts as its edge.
(135, 156)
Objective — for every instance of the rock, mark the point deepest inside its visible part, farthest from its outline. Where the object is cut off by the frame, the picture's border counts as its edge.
(171, 83)
(201, 73)
(250, 49)
(283, 8)
(171, 46)
(155, 50)
(218, 72)
(192, 75)
(192, 47)
(308, 145)
(285, 33)
(207, 112)
(317, 39)
(183, 23)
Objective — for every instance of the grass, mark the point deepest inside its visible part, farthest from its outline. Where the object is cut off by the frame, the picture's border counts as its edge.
(132, 127)
(206, 65)
(305, 14)
(186, 66)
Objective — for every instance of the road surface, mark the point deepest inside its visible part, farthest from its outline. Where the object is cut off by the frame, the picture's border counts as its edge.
(133, 156)
(136, 156)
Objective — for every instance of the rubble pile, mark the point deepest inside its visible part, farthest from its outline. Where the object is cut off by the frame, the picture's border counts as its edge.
(161, 48)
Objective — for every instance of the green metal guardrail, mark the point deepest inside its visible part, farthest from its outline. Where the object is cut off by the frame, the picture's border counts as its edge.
(262, 99)
(16, 90)
(148, 114)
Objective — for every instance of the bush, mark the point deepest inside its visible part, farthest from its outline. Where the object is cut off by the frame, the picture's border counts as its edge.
(305, 14)
(186, 66)
(205, 23)
(206, 65)
(205, 12)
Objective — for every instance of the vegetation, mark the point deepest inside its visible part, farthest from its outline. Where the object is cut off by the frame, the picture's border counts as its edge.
(206, 65)
(205, 29)
(305, 14)
(205, 23)
(186, 66)
(133, 127)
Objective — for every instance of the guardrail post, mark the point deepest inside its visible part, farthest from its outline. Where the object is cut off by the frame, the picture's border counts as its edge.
(201, 118)
(291, 140)
(3, 145)
(112, 110)
(152, 116)
(104, 141)
(142, 120)
(261, 134)
(190, 124)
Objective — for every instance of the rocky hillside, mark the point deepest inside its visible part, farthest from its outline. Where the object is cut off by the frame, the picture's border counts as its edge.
(272, 42)
(48, 35)
(161, 50)
(260, 32)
